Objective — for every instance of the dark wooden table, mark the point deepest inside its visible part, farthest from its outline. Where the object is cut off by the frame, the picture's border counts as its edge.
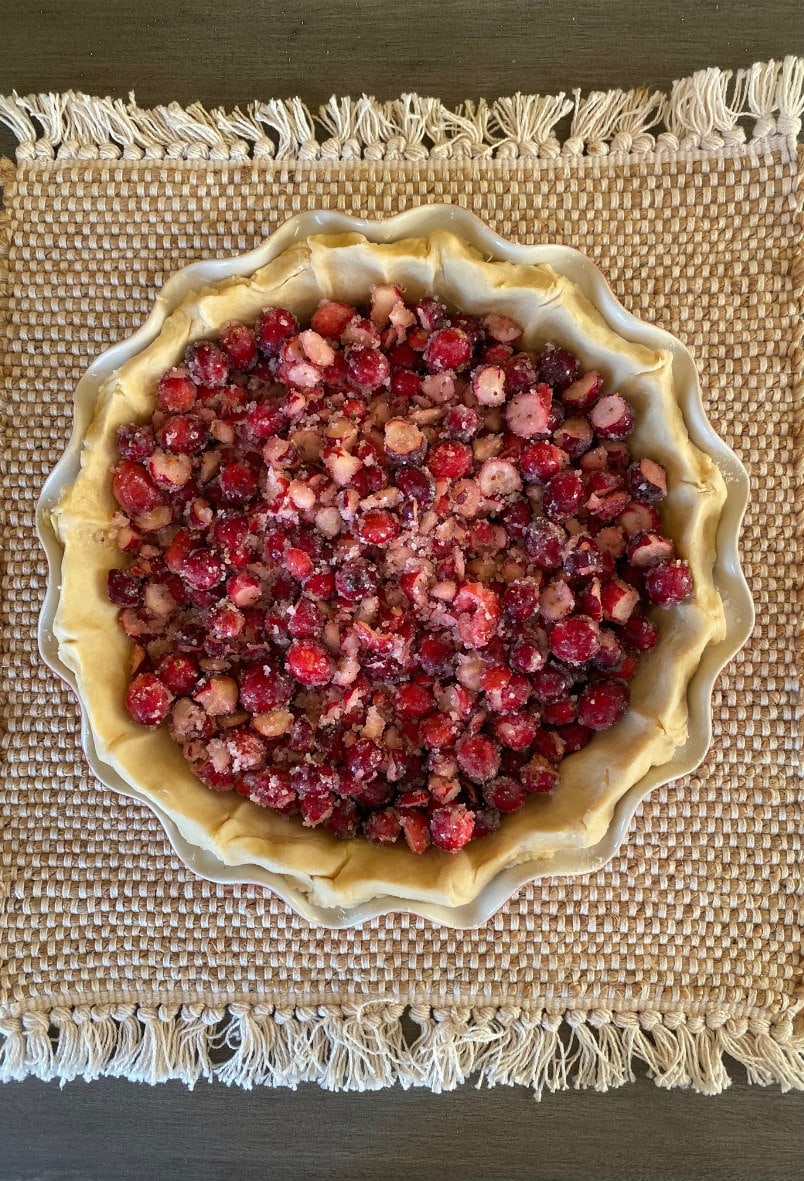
(225, 52)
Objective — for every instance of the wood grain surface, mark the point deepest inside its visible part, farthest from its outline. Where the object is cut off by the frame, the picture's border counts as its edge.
(228, 51)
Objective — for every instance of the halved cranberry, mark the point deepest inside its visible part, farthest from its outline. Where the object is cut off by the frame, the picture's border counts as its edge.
(431, 313)
(647, 481)
(414, 701)
(383, 827)
(540, 461)
(416, 831)
(612, 417)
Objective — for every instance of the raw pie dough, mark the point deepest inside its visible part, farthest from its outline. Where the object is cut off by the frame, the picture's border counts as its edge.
(332, 872)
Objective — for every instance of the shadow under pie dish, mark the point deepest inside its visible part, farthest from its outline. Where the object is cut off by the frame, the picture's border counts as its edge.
(448, 255)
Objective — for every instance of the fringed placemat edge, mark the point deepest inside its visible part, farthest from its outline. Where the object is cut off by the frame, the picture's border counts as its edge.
(369, 1047)
(703, 112)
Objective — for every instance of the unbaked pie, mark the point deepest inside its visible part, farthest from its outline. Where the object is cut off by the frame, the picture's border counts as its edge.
(388, 567)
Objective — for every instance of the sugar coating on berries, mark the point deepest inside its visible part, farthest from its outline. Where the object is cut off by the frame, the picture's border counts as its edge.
(385, 567)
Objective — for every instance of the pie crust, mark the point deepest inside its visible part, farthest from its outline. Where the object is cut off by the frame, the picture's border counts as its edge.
(332, 872)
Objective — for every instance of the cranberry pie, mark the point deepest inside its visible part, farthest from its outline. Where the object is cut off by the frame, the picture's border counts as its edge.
(388, 567)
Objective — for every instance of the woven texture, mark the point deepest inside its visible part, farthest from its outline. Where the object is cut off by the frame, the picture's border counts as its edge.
(697, 917)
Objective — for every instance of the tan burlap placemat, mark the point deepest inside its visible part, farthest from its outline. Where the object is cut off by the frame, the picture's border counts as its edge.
(114, 958)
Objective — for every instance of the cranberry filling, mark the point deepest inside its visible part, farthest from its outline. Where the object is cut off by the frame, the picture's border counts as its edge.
(385, 572)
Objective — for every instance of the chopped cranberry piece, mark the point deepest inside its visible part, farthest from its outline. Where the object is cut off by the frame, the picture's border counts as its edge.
(515, 731)
(478, 758)
(549, 745)
(574, 437)
(415, 485)
(452, 827)
(487, 821)
(435, 656)
(557, 367)
(148, 700)
(344, 820)
(207, 364)
(583, 393)
(602, 704)
(450, 461)
(274, 327)
(642, 634)
(377, 527)
(439, 731)
(612, 417)
(549, 684)
(431, 313)
(461, 422)
(416, 831)
(383, 827)
(364, 759)
(330, 318)
(647, 481)
(414, 701)
(519, 374)
(238, 482)
(526, 657)
(669, 583)
(265, 420)
(648, 549)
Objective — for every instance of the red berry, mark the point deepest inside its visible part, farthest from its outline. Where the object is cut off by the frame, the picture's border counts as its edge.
(383, 827)
(344, 821)
(265, 420)
(450, 461)
(364, 759)
(602, 704)
(274, 327)
(504, 794)
(416, 831)
(356, 580)
(515, 731)
(576, 737)
(310, 663)
(240, 345)
(367, 368)
(452, 827)
(669, 583)
(438, 732)
(557, 367)
(549, 684)
(405, 383)
(539, 775)
(238, 482)
(134, 489)
(179, 672)
(176, 392)
(414, 701)
(461, 422)
(416, 485)
(478, 758)
(642, 634)
(448, 348)
(124, 588)
(520, 374)
(148, 700)
(528, 413)
(647, 481)
(377, 527)
(544, 544)
(136, 442)
(575, 640)
(612, 417)
(207, 364)
(183, 433)
(435, 655)
(520, 600)
(540, 461)
(202, 569)
(263, 688)
(563, 495)
(526, 657)
(330, 318)
(271, 789)
(298, 564)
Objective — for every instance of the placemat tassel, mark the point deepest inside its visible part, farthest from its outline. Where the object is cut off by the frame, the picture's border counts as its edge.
(340, 118)
(527, 122)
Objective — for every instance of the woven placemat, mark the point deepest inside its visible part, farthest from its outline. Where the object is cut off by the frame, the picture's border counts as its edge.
(114, 958)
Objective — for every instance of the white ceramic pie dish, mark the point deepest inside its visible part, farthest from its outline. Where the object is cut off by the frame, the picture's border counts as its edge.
(728, 577)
